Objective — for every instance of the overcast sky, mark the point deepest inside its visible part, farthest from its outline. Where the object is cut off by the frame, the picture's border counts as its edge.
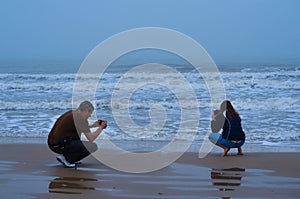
(230, 30)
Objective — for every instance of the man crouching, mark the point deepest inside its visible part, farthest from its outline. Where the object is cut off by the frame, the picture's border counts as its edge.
(64, 137)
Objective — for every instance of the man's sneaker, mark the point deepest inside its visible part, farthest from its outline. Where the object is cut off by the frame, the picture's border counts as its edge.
(77, 163)
(63, 161)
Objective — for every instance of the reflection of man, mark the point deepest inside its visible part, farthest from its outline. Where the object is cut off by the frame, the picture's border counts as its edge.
(71, 185)
(64, 137)
(227, 179)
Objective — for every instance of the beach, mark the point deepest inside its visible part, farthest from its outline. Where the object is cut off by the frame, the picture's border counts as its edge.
(156, 71)
(31, 171)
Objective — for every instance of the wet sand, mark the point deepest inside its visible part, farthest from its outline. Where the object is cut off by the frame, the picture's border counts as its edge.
(31, 171)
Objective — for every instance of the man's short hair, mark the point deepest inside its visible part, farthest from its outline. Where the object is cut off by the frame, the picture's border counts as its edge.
(86, 105)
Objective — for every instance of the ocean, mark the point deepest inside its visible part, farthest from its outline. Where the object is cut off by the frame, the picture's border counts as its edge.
(267, 96)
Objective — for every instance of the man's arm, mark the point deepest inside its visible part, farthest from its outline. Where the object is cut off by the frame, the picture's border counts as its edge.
(92, 136)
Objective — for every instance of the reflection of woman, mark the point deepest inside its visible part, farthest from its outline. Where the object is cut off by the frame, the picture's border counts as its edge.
(232, 135)
(227, 180)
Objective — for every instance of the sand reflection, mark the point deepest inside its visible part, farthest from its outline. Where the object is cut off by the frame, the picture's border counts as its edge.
(227, 180)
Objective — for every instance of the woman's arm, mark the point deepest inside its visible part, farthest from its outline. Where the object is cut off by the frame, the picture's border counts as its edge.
(217, 123)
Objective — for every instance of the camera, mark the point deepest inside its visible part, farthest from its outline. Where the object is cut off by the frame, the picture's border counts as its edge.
(100, 122)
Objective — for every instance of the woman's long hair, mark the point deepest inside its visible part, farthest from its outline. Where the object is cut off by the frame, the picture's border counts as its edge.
(230, 111)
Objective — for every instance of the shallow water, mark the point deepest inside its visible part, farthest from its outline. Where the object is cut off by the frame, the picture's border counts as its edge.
(177, 181)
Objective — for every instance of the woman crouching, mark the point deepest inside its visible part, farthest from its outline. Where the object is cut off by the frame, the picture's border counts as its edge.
(232, 135)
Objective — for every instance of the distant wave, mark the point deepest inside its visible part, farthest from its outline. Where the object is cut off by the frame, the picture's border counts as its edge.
(267, 98)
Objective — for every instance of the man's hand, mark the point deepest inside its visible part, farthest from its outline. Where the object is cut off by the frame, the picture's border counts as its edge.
(95, 124)
(103, 124)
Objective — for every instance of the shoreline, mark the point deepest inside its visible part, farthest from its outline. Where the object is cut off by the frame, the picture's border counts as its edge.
(31, 171)
(152, 145)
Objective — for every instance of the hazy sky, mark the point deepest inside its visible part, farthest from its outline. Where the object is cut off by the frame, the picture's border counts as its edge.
(230, 30)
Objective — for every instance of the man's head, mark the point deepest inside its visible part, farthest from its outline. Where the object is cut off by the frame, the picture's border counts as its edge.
(86, 108)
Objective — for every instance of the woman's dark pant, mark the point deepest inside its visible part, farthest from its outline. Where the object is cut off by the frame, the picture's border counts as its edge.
(75, 150)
